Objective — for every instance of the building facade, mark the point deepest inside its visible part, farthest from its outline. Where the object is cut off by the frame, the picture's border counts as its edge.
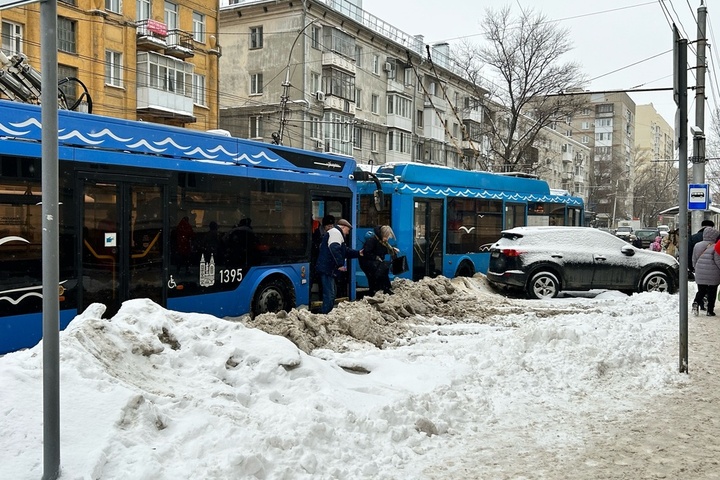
(607, 127)
(326, 75)
(151, 60)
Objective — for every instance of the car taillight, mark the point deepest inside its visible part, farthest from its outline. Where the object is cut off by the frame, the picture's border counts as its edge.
(511, 252)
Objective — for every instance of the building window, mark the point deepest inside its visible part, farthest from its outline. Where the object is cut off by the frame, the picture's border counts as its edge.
(419, 119)
(399, 106)
(585, 139)
(604, 108)
(255, 127)
(66, 35)
(315, 128)
(256, 37)
(164, 73)
(171, 16)
(375, 104)
(338, 132)
(339, 84)
(143, 9)
(376, 65)
(11, 38)
(314, 82)
(113, 5)
(358, 99)
(374, 141)
(409, 74)
(358, 56)
(256, 83)
(68, 89)
(198, 27)
(113, 68)
(357, 137)
(199, 89)
(398, 141)
(315, 37)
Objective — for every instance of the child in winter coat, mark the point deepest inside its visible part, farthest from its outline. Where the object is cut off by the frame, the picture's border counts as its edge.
(655, 246)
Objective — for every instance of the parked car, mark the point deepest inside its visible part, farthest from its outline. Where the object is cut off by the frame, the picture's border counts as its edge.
(542, 261)
(664, 230)
(647, 235)
(624, 233)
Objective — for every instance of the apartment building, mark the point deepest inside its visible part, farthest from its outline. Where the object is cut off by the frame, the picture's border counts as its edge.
(327, 75)
(654, 137)
(150, 60)
(607, 128)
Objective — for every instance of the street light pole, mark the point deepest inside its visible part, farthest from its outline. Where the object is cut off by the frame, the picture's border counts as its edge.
(286, 89)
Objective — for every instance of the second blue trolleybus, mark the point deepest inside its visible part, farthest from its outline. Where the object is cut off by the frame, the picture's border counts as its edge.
(445, 219)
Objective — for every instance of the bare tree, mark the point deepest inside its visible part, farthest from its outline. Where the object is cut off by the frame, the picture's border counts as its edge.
(712, 154)
(524, 52)
(656, 187)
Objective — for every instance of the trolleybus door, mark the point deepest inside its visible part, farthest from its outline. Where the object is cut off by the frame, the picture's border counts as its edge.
(123, 254)
(428, 245)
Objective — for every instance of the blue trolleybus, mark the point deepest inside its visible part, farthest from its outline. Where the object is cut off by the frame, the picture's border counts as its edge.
(445, 219)
(192, 220)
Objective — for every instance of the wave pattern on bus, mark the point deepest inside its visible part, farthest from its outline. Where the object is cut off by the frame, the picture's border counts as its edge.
(468, 193)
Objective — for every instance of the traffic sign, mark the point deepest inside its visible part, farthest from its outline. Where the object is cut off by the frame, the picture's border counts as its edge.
(698, 196)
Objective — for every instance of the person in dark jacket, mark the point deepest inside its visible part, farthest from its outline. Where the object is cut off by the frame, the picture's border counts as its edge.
(707, 271)
(328, 222)
(373, 262)
(331, 260)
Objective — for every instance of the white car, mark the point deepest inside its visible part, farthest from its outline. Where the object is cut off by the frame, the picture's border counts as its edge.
(664, 229)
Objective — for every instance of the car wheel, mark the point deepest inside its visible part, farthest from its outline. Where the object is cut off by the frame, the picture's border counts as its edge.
(272, 296)
(543, 285)
(656, 282)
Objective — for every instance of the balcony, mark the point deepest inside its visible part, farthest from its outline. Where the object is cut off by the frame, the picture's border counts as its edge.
(337, 103)
(157, 103)
(396, 87)
(151, 35)
(180, 44)
(332, 59)
(397, 121)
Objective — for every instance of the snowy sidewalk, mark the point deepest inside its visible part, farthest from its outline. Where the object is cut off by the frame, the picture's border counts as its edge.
(677, 436)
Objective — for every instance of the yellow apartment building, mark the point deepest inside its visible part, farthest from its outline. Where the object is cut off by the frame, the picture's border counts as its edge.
(149, 60)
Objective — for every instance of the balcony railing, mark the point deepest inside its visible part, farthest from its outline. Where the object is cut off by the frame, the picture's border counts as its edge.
(180, 44)
(151, 34)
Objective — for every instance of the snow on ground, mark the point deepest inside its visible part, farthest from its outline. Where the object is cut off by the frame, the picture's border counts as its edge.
(444, 379)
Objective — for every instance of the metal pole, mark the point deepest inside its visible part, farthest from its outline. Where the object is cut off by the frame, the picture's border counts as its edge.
(286, 87)
(680, 60)
(698, 141)
(50, 241)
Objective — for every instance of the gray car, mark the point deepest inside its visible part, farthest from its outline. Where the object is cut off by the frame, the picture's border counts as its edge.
(542, 261)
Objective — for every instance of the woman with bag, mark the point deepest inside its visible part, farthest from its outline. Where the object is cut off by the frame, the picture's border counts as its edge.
(373, 263)
(707, 271)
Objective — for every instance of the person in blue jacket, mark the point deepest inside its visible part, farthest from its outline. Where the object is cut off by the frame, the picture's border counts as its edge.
(331, 260)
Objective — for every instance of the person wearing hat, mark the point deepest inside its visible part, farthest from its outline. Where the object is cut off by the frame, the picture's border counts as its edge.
(331, 260)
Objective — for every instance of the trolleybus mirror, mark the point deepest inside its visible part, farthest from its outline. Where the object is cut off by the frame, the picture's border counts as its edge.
(379, 198)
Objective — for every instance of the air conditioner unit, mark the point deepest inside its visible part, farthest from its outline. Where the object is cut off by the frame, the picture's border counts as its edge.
(388, 67)
(320, 96)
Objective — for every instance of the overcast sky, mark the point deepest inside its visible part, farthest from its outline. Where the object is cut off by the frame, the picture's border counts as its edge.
(607, 36)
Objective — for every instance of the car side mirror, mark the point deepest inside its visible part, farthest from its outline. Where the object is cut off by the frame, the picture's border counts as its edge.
(628, 250)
